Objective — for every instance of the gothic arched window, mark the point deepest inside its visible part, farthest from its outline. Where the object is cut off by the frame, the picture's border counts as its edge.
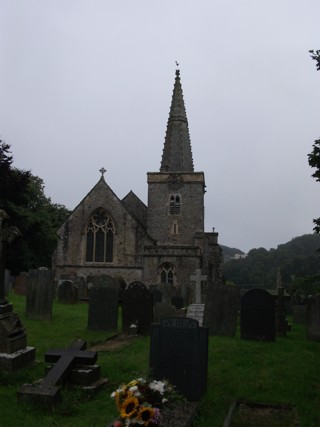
(166, 273)
(174, 204)
(99, 234)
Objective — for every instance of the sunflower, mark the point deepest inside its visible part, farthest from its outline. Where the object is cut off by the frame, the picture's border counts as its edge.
(145, 414)
(129, 407)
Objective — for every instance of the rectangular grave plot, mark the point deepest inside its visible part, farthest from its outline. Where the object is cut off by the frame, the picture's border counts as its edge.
(180, 354)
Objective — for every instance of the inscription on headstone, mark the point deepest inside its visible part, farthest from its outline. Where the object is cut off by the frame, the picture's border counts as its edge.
(137, 308)
(179, 352)
(257, 319)
(196, 311)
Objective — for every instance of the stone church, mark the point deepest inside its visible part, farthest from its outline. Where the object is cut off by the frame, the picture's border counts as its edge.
(160, 245)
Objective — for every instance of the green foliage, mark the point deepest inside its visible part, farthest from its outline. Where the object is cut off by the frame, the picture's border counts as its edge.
(296, 258)
(314, 156)
(22, 197)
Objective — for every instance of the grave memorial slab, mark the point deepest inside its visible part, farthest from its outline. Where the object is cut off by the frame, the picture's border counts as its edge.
(196, 311)
(179, 353)
(221, 310)
(67, 292)
(137, 308)
(161, 310)
(313, 318)
(177, 302)
(103, 308)
(39, 294)
(257, 317)
(299, 313)
(47, 391)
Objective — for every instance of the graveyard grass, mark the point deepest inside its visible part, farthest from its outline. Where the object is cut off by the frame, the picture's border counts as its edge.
(285, 371)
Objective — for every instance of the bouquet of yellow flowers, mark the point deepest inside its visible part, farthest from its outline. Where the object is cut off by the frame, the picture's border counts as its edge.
(139, 402)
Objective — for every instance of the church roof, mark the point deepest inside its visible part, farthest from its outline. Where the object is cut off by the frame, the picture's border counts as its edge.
(177, 154)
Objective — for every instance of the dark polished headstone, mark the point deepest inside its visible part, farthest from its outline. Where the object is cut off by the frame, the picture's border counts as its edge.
(157, 296)
(179, 353)
(137, 308)
(221, 310)
(257, 318)
(103, 307)
(313, 318)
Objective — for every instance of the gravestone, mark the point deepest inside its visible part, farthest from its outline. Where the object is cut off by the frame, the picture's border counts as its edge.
(177, 302)
(313, 318)
(299, 313)
(14, 353)
(67, 292)
(161, 310)
(7, 282)
(47, 391)
(157, 296)
(198, 278)
(137, 308)
(21, 284)
(179, 353)
(103, 307)
(221, 310)
(257, 317)
(39, 294)
(282, 325)
(196, 311)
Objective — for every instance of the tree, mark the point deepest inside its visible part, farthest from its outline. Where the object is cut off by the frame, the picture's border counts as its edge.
(314, 156)
(22, 197)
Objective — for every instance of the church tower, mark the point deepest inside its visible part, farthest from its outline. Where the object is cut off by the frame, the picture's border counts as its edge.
(176, 193)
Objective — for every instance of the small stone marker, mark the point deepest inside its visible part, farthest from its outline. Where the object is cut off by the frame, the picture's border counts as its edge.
(313, 318)
(177, 302)
(198, 277)
(137, 308)
(179, 353)
(21, 284)
(257, 318)
(47, 391)
(196, 311)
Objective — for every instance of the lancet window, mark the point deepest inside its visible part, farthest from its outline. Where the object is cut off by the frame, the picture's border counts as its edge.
(166, 273)
(174, 204)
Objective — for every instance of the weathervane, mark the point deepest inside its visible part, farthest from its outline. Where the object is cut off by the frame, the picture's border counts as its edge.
(102, 171)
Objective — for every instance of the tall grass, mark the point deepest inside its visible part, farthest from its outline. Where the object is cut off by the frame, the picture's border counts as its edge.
(286, 371)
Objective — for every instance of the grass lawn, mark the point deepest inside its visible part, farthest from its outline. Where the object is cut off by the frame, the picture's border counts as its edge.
(286, 371)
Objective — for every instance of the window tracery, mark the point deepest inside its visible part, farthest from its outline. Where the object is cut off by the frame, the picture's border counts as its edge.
(99, 237)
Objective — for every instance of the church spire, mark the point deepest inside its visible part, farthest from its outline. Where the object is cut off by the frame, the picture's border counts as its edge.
(177, 154)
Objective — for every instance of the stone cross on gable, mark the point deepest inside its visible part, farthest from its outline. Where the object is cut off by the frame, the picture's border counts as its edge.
(198, 277)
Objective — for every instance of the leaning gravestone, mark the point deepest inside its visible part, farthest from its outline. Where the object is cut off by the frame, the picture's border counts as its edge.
(39, 294)
(103, 305)
(196, 311)
(257, 318)
(179, 353)
(313, 318)
(67, 292)
(221, 310)
(137, 308)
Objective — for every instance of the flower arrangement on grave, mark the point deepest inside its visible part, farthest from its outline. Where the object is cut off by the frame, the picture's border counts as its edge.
(140, 401)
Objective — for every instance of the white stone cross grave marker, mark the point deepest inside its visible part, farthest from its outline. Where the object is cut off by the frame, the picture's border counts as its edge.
(197, 277)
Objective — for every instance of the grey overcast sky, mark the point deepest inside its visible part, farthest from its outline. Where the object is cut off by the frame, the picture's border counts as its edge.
(88, 83)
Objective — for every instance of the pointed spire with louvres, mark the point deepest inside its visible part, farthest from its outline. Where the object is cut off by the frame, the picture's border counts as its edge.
(177, 154)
